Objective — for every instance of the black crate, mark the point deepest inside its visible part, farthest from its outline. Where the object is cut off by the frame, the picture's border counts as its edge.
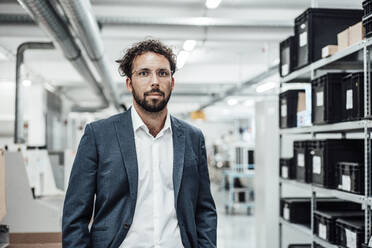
(353, 97)
(301, 159)
(296, 210)
(367, 24)
(326, 96)
(299, 246)
(331, 204)
(350, 232)
(287, 168)
(365, 246)
(317, 28)
(288, 101)
(367, 8)
(350, 177)
(325, 223)
(325, 154)
(287, 56)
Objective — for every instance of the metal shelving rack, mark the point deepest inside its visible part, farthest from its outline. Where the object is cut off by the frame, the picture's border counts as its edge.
(356, 57)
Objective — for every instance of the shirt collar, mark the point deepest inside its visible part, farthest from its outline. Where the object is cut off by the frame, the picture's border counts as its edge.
(138, 122)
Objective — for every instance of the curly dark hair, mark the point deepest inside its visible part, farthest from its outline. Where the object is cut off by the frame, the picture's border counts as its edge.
(139, 48)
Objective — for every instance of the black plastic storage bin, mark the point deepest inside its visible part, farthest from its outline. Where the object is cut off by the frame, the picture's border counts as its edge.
(367, 24)
(325, 154)
(325, 223)
(350, 232)
(317, 28)
(296, 210)
(367, 8)
(302, 161)
(350, 177)
(299, 246)
(287, 168)
(287, 56)
(353, 97)
(326, 96)
(288, 101)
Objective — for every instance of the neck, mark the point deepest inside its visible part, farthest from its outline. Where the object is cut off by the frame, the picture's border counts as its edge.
(154, 121)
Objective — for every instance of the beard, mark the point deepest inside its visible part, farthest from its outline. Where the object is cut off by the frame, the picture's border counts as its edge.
(154, 105)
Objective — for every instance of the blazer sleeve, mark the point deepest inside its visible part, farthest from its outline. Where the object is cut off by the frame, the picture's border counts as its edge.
(206, 215)
(79, 200)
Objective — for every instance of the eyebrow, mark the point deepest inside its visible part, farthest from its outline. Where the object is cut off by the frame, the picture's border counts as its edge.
(148, 69)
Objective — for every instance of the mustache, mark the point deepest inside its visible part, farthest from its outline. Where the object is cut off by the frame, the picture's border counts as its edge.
(154, 91)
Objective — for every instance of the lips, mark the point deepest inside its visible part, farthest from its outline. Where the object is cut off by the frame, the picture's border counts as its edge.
(154, 93)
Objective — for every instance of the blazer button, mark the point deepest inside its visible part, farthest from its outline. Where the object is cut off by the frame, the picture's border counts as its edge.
(126, 225)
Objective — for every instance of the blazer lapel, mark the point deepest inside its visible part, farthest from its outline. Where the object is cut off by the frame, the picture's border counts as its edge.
(125, 135)
(178, 155)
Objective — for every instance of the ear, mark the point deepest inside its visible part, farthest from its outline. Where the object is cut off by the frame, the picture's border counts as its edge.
(128, 83)
(172, 83)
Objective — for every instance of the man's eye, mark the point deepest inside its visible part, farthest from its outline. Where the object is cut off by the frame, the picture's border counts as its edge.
(143, 73)
(163, 74)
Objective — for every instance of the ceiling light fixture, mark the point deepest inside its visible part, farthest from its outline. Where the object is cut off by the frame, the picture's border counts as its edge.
(212, 4)
(27, 83)
(265, 87)
(189, 45)
(181, 58)
(232, 102)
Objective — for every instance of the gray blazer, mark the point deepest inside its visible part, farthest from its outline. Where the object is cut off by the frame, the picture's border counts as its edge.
(105, 176)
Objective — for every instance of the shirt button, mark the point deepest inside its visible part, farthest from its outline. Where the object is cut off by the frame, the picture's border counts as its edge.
(126, 225)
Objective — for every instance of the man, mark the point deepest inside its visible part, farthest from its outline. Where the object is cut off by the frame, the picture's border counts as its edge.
(146, 169)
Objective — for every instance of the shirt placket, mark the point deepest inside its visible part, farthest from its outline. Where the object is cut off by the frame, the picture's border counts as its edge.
(157, 190)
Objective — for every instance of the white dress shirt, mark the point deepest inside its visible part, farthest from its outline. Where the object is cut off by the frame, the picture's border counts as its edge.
(155, 222)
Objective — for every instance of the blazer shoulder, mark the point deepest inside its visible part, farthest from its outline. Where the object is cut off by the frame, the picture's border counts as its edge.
(189, 128)
(103, 123)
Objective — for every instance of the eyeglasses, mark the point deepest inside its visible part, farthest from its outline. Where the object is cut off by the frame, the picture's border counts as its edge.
(147, 74)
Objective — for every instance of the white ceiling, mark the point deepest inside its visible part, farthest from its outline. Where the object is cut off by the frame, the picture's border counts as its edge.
(241, 42)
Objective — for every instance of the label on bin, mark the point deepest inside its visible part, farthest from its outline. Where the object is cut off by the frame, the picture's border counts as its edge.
(319, 98)
(322, 231)
(301, 160)
(346, 183)
(284, 110)
(303, 39)
(351, 238)
(284, 172)
(317, 165)
(286, 212)
(349, 99)
(285, 69)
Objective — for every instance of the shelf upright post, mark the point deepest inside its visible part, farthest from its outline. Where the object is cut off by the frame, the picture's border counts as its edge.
(280, 191)
(367, 138)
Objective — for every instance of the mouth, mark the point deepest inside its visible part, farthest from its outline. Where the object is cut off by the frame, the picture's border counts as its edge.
(154, 94)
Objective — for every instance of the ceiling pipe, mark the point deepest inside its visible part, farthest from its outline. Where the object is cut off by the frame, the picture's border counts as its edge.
(44, 14)
(236, 89)
(80, 16)
(19, 137)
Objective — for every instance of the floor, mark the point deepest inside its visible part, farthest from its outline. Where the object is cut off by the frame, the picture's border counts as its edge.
(233, 231)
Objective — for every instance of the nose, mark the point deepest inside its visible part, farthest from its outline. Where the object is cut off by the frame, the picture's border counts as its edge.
(154, 79)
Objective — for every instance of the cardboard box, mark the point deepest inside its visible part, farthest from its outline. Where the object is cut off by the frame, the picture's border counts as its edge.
(343, 39)
(329, 50)
(35, 240)
(356, 33)
(2, 186)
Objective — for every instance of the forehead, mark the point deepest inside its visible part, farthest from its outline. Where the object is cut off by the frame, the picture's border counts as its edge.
(150, 60)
